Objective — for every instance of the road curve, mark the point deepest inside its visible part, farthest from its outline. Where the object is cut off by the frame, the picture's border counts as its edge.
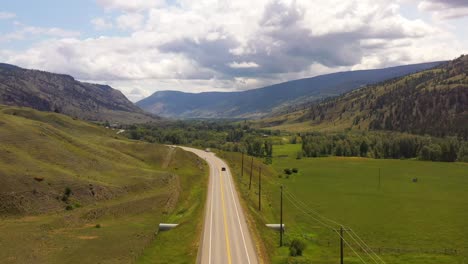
(226, 238)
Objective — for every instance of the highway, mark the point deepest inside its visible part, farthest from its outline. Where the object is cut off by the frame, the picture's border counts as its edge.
(226, 238)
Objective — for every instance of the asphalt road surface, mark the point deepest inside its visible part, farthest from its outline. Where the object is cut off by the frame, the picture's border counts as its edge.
(226, 238)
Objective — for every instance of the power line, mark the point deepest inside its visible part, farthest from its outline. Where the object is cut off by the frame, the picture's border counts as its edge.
(370, 249)
(308, 214)
(357, 240)
(350, 247)
(360, 245)
(313, 211)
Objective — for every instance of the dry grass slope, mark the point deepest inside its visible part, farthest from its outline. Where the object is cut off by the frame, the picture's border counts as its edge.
(125, 187)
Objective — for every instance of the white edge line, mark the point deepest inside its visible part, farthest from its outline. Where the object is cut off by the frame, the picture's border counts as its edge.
(238, 218)
(211, 211)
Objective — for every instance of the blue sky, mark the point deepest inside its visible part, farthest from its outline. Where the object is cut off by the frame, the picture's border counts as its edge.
(143, 46)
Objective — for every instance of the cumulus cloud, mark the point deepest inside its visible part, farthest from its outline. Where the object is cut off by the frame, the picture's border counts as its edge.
(24, 32)
(234, 45)
(131, 21)
(130, 5)
(7, 15)
(100, 23)
(445, 9)
(244, 64)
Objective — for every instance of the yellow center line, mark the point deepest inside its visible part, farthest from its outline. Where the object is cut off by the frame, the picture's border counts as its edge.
(225, 221)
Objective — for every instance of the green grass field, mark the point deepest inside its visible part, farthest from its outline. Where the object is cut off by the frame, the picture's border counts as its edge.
(423, 222)
(125, 187)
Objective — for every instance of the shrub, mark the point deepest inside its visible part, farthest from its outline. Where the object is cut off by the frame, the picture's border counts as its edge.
(297, 247)
(98, 226)
(69, 208)
(66, 194)
(288, 171)
(295, 170)
(299, 155)
(68, 191)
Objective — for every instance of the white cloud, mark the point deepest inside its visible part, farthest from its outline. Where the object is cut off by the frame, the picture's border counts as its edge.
(132, 21)
(244, 64)
(7, 15)
(25, 32)
(445, 9)
(100, 23)
(130, 5)
(233, 45)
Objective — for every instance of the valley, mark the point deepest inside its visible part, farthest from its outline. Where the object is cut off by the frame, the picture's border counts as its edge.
(234, 132)
(87, 185)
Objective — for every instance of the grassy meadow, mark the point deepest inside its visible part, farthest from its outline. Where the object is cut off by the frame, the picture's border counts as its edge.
(422, 222)
(118, 192)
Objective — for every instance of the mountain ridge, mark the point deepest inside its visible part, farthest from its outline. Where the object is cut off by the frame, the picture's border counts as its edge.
(62, 93)
(432, 102)
(259, 102)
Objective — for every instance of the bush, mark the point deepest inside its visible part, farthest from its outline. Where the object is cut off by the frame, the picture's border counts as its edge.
(66, 194)
(433, 152)
(98, 226)
(288, 171)
(68, 191)
(297, 247)
(295, 170)
(299, 155)
(69, 208)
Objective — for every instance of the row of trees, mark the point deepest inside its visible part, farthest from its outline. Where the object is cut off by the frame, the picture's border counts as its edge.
(208, 134)
(385, 145)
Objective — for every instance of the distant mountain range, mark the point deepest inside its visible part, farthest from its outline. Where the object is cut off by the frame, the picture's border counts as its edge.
(260, 102)
(59, 93)
(433, 102)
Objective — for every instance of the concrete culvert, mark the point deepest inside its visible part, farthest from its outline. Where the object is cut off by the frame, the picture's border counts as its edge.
(166, 227)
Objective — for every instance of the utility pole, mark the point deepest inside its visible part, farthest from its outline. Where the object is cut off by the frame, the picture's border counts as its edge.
(341, 245)
(281, 217)
(260, 189)
(379, 178)
(242, 170)
(251, 170)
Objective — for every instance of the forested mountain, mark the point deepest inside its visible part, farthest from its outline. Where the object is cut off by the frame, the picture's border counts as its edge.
(433, 102)
(46, 91)
(259, 102)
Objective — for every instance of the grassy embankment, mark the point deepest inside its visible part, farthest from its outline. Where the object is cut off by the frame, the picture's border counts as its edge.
(421, 222)
(118, 193)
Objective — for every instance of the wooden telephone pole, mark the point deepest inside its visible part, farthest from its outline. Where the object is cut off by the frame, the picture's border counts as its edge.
(341, 246)
(281, 217)
(341, 231)
(242, 170)
(379, 178)
(251, 170)
(260, 189)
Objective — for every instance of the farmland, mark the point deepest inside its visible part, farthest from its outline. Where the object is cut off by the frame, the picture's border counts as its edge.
(408, 222)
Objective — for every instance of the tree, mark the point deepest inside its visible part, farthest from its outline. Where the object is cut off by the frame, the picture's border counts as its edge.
(431, 152)
(463, 152)
(297, 247)
(364, 148)
(299, 155)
